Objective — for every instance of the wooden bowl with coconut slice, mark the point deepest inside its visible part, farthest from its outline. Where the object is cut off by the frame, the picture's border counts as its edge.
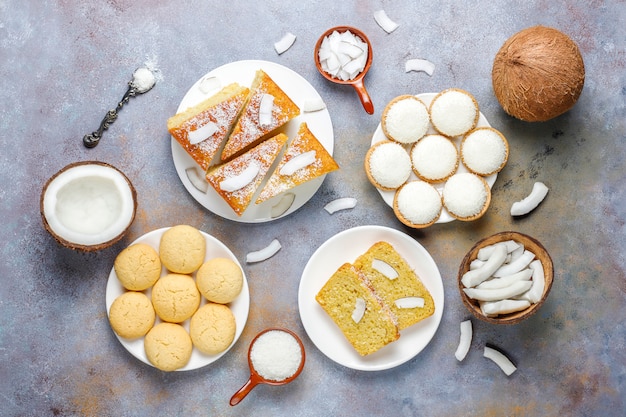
(88, 206)
(505, 278)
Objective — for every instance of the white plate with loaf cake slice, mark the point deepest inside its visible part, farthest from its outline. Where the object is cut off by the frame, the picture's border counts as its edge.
(429, 148)
(227, 141)
(371, 298)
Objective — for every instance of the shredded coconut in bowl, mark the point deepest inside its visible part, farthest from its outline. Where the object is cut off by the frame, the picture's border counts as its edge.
(276, 355)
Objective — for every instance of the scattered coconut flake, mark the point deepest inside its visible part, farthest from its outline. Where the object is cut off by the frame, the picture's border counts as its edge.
(465, 340)
(283, 205)
(209, 84)
(359, 310)
(418, 65)
(285, 43)
(311, 105)
(381, 18)
(265, 253)
(197, 180)
(265, 109)
(384, 268)
(500, 359)
(410, 302)
(202, 133)
(531, 202)
(244, 178)
(298, 162)
(344, 203)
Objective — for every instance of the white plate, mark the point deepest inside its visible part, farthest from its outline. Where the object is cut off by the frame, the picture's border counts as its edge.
(346, 247)
(379, 135)
(299, 90)
(240, 306)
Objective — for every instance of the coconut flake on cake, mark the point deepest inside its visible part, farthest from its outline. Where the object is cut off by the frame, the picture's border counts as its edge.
(405, 119)
(388, 165)
(484, 151)
(454, 112)
(434, 158)
(465, 195)
(417, 203)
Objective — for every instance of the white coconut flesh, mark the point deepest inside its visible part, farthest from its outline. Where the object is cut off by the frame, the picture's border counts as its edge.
(89, 204)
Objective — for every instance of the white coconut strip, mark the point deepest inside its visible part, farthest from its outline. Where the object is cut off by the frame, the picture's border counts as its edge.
(476, 263)
(475, 276)
(409, 302)
(343, 203)
(283, 205)
(209, 84)
(484, 253)
(500, 359)
(535, 292)
(385, 269)
(497, 294)
(244, 178)
(311, 105)
(265, 253)
(523, 275)
(515, 266)
(300, 161)
(202, 133)
(197, 180)
(419, 65)
(465, 340)
(531, 202)
(494, 308)
(359, 310)
(285, 43)
(265, 109)
(381, 18)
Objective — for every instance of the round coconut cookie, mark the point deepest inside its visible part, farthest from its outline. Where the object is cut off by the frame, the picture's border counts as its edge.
(182, 249)
(131, 315)
(387, 165)
(219, 280)
(466, 196)
(212, 328)
(405, 119)
(137, 267)
(454, 112)
(168, 346)
(434, 158)
(417, 204)
(484, 151)
(175, 297)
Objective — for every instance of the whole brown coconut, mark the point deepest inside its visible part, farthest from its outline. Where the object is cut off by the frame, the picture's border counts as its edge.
(538, 74)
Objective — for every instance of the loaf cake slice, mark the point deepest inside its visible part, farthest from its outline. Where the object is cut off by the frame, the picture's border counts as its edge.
(202, 129)
(305, 159)
(268, 107)
(237, 180)
(365, 322)
(396, 283)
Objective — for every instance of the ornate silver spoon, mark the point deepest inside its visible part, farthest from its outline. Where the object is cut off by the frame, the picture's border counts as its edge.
(142, 82)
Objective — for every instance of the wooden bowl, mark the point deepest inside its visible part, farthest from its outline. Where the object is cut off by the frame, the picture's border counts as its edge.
(530, 244)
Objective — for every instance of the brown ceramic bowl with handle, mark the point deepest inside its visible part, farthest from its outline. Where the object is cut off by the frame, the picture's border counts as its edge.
(530, 244)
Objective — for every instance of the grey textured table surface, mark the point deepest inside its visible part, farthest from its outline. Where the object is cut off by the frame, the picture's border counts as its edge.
(64, 63)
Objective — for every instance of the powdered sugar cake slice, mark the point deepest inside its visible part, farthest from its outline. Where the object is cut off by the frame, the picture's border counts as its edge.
(251, 127)
(308, 157)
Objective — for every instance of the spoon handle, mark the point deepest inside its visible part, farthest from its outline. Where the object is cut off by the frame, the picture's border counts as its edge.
(92, 139)
(245, 390)
(364, 96)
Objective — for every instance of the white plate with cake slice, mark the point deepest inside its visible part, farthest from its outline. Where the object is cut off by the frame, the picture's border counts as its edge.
(301, 92)
(379, 136)
(239, 307)
(346, 247)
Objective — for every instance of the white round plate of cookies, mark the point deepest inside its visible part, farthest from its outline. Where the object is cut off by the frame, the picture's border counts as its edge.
(346, 247)
(379, 136)
(239, 306)
(301, 92)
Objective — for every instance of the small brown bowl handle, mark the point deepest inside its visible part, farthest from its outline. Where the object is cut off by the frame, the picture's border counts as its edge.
(252, 382)
(364, 96)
